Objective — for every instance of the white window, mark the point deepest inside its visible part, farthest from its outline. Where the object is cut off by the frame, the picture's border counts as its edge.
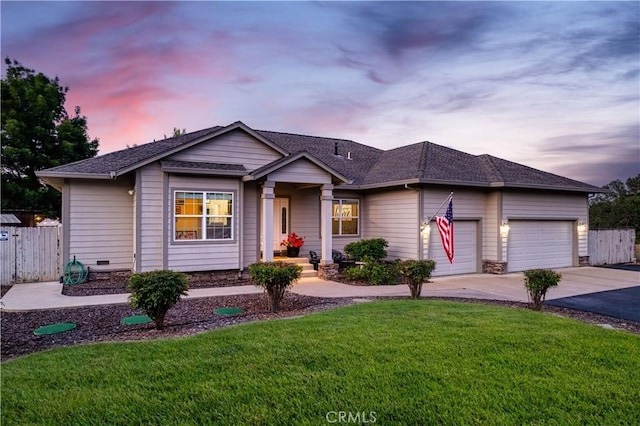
(346, 217)
(202, 215)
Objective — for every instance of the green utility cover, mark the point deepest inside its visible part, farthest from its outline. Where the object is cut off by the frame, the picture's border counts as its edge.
(136, 319)
(227, 311)
(54, 328)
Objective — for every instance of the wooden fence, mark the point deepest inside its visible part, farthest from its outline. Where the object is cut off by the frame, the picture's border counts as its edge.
(611, 246)
(29, 254)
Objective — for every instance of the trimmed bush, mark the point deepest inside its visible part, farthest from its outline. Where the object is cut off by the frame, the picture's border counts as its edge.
(373, 248)
(417, 272)
(156, 292)
(275, 278)
(375, 272)
(537, 282)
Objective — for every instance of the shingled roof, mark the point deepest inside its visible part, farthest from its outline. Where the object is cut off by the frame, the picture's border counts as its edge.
(365, 166)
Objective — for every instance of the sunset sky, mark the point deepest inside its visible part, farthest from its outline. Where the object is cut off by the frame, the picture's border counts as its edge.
(555, 86)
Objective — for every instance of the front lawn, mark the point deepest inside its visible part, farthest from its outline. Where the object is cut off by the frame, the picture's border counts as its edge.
(395, 362)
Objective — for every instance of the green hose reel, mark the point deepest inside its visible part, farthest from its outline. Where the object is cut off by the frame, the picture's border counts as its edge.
(74, 272)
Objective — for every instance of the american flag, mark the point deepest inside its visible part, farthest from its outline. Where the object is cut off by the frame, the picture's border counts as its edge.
(445, 227)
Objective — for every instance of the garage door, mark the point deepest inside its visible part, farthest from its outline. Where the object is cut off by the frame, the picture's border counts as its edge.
(539, 244)
(465, 243)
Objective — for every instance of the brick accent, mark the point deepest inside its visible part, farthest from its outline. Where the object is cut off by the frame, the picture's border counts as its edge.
(583, 260)
(328, 272)
(494, 267)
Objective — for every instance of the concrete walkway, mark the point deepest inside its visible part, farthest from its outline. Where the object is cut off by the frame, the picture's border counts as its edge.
(575, 281)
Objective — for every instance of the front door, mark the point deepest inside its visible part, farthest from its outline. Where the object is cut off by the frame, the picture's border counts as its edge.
(280, 222)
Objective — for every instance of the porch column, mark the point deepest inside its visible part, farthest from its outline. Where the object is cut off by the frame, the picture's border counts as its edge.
(266, 229)
(326, 204)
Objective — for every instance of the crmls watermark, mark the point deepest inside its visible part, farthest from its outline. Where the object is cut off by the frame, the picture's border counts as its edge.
(362, 417)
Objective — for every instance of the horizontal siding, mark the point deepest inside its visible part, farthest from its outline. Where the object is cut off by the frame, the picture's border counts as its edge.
(101, 223)
(150, 191)
(544, 206)
(300, 171)
(304, 206)
(201, 255)
(394, 217)
(250, 230)
(235, 147)
(491, 228)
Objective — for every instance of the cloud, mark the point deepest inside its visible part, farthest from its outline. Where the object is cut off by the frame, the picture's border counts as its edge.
(597, 157)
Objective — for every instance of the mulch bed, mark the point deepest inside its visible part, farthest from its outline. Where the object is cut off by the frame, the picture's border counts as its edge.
(102, 323)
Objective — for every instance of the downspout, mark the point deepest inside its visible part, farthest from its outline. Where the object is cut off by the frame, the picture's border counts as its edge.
(240, 233)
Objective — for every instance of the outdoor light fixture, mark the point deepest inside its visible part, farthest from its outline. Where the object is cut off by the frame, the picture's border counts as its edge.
(504, 228)
(425, 229)
(131, 191)
(582, 226)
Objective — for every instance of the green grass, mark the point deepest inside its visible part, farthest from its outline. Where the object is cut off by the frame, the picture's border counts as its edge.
(409, 362)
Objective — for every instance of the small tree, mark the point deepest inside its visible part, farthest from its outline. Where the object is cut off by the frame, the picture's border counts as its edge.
(537, 282)
(156, 292)
(373, 248)
(275, 278)
(417, 272)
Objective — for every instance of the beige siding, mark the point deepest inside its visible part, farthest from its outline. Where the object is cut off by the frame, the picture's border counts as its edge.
(151, 218)
(491, 228)
(235, 147)
(521, 205)
(250, 231)
(300, 171)
(101, 217)
(203, 255)
(394, 216)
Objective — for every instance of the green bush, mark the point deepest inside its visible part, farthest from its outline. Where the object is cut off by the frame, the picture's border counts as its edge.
(275, 278)
(373, 248)
(417, 272)
(375, 272)
(156, 292)
(537, 282)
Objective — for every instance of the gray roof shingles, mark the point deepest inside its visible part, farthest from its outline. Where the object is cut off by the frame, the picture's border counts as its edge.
(365, 165)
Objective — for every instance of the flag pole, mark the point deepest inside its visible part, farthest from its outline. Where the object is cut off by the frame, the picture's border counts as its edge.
(439, 208)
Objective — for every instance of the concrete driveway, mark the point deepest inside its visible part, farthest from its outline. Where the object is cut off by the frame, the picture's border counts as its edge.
(575, 281)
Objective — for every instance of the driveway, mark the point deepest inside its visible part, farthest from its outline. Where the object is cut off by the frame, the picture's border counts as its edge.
(623, 303)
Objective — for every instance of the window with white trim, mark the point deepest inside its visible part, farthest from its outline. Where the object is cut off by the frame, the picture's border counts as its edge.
(203, 215)
(346, 217)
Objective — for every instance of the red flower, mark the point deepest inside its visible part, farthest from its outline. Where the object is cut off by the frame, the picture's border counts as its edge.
(293, 240)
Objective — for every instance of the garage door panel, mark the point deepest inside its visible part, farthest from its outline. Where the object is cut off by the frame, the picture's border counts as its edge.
(539, 244)
(465, 246)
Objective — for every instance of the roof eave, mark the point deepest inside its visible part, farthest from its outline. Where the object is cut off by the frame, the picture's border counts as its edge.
(592, 190)
(70, 175)
(209, 172)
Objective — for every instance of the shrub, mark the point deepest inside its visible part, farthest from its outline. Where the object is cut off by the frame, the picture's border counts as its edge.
(156, 292)
(373, 248)
(275, 278)
(537, 282)
(417, 272)
(375, 272)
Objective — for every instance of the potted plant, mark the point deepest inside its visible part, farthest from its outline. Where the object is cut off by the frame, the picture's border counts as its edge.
(293, 242)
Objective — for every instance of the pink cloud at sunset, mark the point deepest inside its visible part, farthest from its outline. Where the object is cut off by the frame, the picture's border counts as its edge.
(551, 85)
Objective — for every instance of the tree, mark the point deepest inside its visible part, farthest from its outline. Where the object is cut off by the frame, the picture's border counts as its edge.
(619, 207)
(176, 132)
(37, 133)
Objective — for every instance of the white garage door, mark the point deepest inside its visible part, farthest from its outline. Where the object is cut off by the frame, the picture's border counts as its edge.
(465, 242)
(539, 244)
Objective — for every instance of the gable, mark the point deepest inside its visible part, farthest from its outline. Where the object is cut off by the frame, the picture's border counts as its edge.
(300, 171)
(234, 147)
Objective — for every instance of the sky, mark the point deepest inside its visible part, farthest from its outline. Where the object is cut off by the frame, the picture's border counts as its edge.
(553, 85)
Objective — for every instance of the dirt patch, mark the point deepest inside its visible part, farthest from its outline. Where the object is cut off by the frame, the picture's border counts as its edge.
(102, 323)
(117, 283)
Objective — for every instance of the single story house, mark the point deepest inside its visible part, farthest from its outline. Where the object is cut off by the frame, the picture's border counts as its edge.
(225, 197)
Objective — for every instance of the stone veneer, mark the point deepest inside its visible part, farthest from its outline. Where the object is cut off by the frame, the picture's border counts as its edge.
(328, 272)
(583, 260)
(494, 267)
